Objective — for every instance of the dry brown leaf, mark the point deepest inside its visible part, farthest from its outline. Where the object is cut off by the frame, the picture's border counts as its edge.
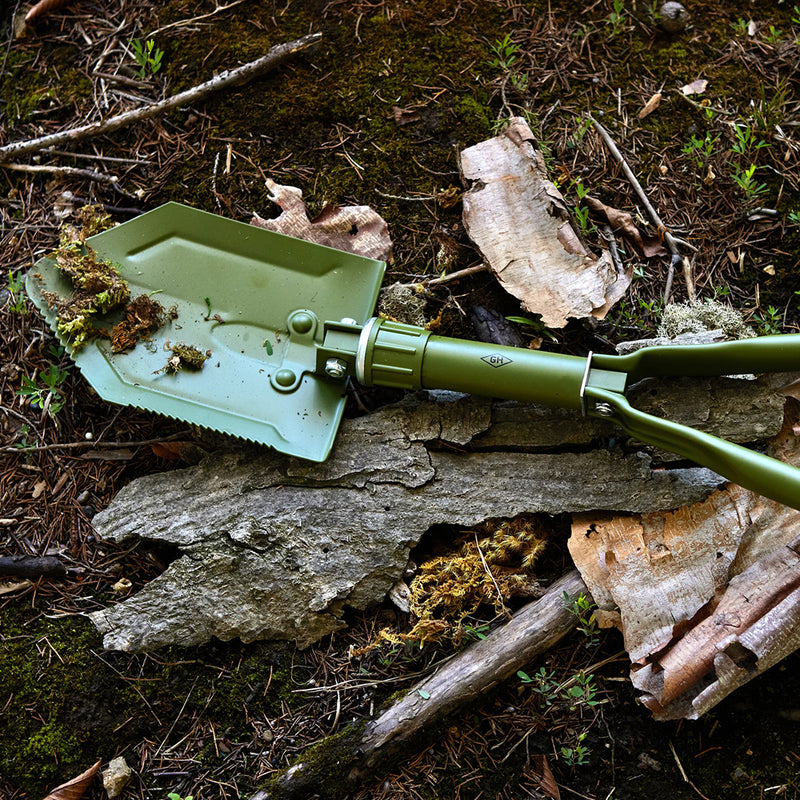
(522, 226)
(354, 229)
(189, 452)
(76, 788)
(405, 116)
(651, 105)
(623, 224)
(695, 87)
(547, 783)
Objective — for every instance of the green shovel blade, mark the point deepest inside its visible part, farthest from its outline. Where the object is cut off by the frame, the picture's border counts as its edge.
(234, 286)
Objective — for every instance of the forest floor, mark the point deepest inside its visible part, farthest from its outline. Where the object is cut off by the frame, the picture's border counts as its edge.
(374, 115)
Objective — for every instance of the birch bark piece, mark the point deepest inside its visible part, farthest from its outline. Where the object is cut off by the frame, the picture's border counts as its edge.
(273, 547)
(522, 226)
(708, 596)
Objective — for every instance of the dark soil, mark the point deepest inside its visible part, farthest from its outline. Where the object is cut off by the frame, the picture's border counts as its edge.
(375, 115)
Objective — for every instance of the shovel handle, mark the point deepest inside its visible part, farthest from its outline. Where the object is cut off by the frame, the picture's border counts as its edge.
(403, 356)
(760, 354)
(748, 468)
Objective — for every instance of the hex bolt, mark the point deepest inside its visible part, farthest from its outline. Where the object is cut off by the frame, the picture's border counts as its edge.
(335, 368)
(604, 409)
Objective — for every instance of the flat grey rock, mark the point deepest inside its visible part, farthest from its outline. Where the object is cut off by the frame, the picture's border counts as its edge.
(273, 547)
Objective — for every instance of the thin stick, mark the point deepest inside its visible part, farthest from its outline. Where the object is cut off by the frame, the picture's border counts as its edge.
(506, 613)
(669, 239)
(454, 276)
(76, 172)
(90, 444)
(226, 79)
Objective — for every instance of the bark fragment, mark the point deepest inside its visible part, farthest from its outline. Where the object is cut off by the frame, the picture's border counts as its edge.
(520, 222)
(708, 595)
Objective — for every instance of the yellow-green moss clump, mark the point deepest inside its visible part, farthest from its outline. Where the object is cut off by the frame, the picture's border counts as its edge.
(487, 567)
(99, 288)
(185, 356)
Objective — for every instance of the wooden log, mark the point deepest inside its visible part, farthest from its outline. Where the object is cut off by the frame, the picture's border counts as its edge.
(461, 681)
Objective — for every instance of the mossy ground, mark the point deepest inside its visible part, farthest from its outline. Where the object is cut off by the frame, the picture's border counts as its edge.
(326, 123)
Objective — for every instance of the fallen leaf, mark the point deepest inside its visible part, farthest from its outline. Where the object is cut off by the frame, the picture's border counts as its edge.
(76, 788)
(38, 488)
(651, 105)
(547, 783)
(354, 229)
(405, 116)
(622, 223)
(695, 87)
(520, 222)
(189, 452)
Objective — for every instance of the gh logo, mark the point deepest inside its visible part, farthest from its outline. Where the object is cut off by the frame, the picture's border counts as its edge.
(496, 360)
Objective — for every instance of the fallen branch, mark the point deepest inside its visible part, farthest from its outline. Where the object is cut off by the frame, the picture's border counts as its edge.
(669, 239)
(75, 172)
(224, 80)
(32, 566)
(462, 680)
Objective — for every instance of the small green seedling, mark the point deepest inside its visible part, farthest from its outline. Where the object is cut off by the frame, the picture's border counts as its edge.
(582, 609)
(577, 755)
(147, 56)
(50, 396)
(746, 181)
(15, 288)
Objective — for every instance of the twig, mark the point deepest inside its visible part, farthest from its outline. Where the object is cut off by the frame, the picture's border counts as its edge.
(454, 276)
(76, 172)
(608, 237)
(91, 444)
(182, 22)
(506, 612)
(226, 79)
(669, 239)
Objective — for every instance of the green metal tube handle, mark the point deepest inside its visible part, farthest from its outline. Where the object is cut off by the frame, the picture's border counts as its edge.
(404, 356)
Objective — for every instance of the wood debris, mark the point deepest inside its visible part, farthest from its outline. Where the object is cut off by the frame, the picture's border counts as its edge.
(708, 595)
(522, 226)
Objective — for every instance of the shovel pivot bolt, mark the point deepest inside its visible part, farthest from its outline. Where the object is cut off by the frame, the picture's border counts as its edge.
(604, 410)
(335, 368)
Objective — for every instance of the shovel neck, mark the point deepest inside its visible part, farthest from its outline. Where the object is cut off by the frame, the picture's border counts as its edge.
(407, 357)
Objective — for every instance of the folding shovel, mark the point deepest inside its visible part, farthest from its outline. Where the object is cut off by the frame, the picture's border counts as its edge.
(287, 322)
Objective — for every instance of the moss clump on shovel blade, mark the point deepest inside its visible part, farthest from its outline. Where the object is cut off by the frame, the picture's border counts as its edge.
(185, 356)
(98, 285)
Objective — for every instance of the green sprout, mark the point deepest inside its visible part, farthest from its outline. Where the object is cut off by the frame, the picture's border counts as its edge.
(50, 396)
(147, 56)
(15, 285)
